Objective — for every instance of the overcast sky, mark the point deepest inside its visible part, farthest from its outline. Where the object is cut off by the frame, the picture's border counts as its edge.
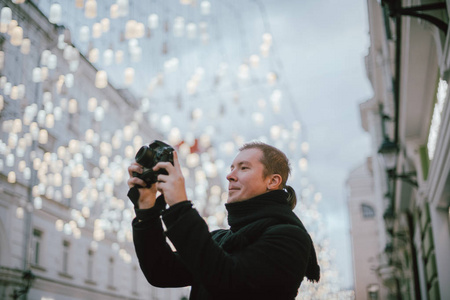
(322, 45)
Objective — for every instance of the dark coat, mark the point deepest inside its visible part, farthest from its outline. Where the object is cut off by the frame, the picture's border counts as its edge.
(264, 255)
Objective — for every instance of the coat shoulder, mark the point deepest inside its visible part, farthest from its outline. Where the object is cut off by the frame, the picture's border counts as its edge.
(288, 231)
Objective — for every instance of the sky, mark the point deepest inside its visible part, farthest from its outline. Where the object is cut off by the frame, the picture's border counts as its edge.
(322, 45)
(317, 53)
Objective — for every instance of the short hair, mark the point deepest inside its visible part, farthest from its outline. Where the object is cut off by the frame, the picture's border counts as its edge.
(273, 159)
(275, 162)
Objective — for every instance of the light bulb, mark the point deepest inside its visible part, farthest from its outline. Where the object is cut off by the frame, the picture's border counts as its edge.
(93, 55)
(92, 104)
(79, 3)
(153, 20)
(44, 57)
(12, 177)
(178, 27)
(17, 36)
(97, 30)
(123, 7)
(129, 76)
(14, 93)
(130, 29)
(205, 7)
(267, 39)
(13, 24)
(114, 11)
(275, 132)
(25, 47)
(37, 202)
(108, 57)
(140, 30)
(303, 164)
(69, 80)
(19, 213)
(84, 33)
(43, 136)
(44, 73)
(99, 114)
(73, 106)
(191, 30)
(49, 121)
(119, 56)
(90, 9)
(55, 13)
(5, 19)
(52, 61)
(101, 80)
(271, 78)
(254, 61)
(105, 24)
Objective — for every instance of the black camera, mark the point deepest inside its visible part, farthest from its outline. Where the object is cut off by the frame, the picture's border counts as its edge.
(149, 156)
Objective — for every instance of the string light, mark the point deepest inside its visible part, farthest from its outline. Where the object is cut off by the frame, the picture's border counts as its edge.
(101, 80)
(153, 21)
(205, 7)
(90, 9)
(17, 36)
(25, 46)
(5, 18)
(117, 147)
(55, 13)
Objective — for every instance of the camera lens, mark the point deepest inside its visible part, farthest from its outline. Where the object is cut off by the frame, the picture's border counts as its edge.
(144, 157)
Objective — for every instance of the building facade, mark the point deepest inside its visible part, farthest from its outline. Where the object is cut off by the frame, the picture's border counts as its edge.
(365, 220)
(408, 119)
(66, 138)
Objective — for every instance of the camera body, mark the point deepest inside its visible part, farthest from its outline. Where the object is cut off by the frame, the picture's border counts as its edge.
(149, 156)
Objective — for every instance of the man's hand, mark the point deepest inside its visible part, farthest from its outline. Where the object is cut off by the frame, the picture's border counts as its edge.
(172, 185)
(147, 196)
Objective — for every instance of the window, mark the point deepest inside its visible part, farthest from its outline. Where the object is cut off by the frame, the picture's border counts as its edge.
(36, 247)
(65, 264)
(367, 211)
(441, 97)
(90, 264)
(111, 272)
(134, 280)
(74, 119)
(373, 291)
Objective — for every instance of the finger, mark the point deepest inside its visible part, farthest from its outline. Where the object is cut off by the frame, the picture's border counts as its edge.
(176, 163)
(134, 167)
(135, 181)
(163, 165)
(162, 178)
(159, 187)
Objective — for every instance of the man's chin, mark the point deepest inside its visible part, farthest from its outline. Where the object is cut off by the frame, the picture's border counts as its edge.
(232, 198)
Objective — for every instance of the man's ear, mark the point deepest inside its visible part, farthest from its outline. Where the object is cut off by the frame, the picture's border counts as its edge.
(274, 182)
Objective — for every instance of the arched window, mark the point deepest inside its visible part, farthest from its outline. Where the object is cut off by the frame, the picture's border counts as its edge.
(367, 211)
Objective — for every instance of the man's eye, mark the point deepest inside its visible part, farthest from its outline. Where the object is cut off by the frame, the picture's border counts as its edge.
(243, 168)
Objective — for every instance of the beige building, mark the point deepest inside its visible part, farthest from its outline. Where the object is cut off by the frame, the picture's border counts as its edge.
(66, 137)
(408, 119)
(365, 218)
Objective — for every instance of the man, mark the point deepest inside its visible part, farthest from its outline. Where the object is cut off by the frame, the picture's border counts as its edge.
(265, 254)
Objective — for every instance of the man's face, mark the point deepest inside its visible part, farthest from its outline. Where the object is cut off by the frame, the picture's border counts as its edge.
(246, 179)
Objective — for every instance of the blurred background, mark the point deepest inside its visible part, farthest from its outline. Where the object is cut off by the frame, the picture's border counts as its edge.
(84, 84)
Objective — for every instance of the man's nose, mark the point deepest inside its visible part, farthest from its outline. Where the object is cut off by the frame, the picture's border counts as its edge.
(231, 176)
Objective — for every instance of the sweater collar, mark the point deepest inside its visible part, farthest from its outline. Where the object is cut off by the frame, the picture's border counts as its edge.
(270, 205)
(262, 206)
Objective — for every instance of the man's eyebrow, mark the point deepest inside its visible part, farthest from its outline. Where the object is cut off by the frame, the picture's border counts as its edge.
(244, 162)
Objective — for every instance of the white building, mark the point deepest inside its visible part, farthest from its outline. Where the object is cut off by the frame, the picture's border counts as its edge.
(66, 138)
(408, 119)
